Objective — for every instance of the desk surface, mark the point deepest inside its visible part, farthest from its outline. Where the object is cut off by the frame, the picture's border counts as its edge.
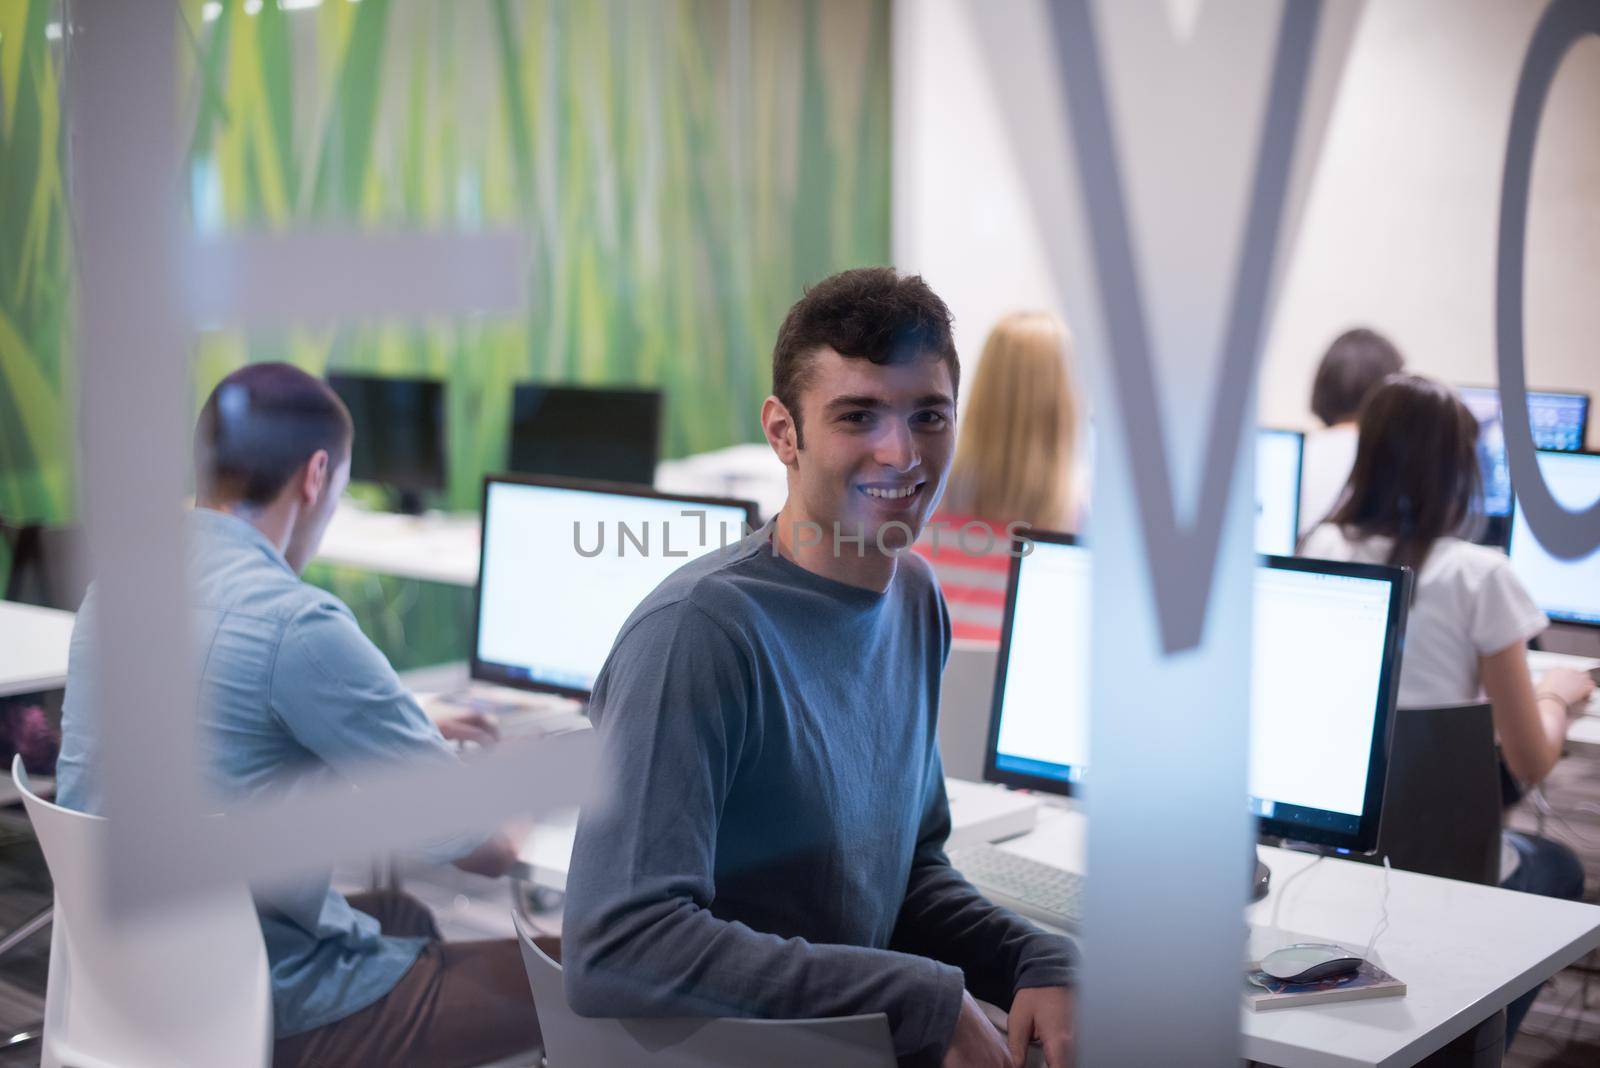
(436, 547)
(1438, 941)
(444, 546)
(1463, 950)
(33, 648)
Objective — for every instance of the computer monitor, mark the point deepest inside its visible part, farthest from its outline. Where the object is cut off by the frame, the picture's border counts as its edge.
(565, 562)
(1326, 668)
(575, 432)
(399, 434)
(1560, 421)
(1278, 455)
(1567, 590)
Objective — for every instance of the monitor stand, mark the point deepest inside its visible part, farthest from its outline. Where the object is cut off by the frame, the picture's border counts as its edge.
(408, 502)
(1260, 877)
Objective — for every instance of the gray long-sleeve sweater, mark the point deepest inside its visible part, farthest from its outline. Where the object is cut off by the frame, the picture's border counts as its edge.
(770, 839)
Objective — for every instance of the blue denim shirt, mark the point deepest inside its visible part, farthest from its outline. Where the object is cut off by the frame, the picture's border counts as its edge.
(291, 692)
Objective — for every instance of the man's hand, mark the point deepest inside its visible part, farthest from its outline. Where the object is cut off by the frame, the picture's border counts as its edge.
(975, 1044)
(470, 727)
(493, 858)
(1045, 1014)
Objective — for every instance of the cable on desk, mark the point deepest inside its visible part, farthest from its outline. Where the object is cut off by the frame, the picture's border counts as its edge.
(1283, 890)
(1383, 920)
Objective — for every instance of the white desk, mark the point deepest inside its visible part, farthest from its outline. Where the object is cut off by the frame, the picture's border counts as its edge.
(444, 546)
(750, 472)
(33, 648)
(1464, 951)
(435, 547)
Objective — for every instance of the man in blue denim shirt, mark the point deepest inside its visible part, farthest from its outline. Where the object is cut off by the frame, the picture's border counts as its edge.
(292, 691)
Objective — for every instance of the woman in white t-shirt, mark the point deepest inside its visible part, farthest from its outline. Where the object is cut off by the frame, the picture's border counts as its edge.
(1413, 490)
(1356, 362)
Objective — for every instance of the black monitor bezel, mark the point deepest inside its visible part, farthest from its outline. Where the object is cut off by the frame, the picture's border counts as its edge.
(1299, 469)
(497, 674)
(657, 414)
(441, 388)
(1364, 839)
(1585, 395)
(1511, 526)
(1497, 527)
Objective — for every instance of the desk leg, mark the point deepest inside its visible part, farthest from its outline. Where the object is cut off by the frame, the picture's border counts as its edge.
(1482, 1047)
(385, 875)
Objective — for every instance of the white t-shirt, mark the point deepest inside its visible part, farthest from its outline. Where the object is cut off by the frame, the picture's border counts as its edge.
(1467, 603)
(1324, 468)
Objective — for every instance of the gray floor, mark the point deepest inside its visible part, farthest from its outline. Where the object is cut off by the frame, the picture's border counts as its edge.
(1563, 1028)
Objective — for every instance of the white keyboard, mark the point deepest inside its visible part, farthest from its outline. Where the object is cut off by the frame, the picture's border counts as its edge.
(1037, 890)
(518, 714)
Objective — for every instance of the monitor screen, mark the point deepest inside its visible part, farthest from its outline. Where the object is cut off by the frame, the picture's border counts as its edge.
(1567, 590)
(1325, 666)
(1559, 421)
(565, 563)
(1278, 490)
(573, 432)
(399, 430)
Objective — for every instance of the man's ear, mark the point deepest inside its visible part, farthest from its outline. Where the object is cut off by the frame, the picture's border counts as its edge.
(782, 432)
(314, 477)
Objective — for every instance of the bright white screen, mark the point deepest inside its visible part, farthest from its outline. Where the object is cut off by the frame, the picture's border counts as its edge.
(1047, 676)
(1318, 660)
(1565, 589)
(1277, 491)
(550, 612)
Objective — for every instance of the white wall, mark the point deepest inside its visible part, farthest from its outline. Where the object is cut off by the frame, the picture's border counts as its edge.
(1399, 231)
(960, 210)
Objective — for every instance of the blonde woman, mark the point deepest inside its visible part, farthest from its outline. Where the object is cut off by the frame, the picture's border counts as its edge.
(1015, 465)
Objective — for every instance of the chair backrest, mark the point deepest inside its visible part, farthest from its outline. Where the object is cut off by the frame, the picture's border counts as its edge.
(966, 695)
(573, 1041)
(188, 986)
(1441, 804)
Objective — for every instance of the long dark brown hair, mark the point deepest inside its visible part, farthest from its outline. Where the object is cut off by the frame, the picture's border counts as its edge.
(1416, 477)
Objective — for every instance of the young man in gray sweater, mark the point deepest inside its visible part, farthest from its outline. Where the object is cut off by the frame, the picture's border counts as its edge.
(771, 837)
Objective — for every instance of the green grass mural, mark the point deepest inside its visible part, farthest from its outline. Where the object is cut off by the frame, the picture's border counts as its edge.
(682, 168)
(36, 364)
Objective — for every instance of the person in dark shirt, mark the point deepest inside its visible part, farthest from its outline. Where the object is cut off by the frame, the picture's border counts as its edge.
(770, 842)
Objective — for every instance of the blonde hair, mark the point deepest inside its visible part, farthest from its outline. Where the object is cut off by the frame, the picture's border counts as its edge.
(1019, 433)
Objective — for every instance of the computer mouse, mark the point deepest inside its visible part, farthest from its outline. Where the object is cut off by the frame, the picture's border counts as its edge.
(1307, 962)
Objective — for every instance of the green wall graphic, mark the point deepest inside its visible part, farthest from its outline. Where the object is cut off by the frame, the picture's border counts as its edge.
(682, 168)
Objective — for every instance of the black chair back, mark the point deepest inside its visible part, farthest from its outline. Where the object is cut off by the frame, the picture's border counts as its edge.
(1441, 806)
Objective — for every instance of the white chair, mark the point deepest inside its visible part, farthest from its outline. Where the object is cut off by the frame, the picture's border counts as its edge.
(573, 1041)
(187, 987)
(965, 696)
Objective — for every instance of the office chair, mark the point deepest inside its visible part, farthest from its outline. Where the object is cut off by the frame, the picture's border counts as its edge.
(1442, 816)
(965, 696)
(573, 1041)
(187, 987)
(1441, 803)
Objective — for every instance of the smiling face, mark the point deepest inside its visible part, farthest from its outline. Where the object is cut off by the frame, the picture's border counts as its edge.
(877, 442)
